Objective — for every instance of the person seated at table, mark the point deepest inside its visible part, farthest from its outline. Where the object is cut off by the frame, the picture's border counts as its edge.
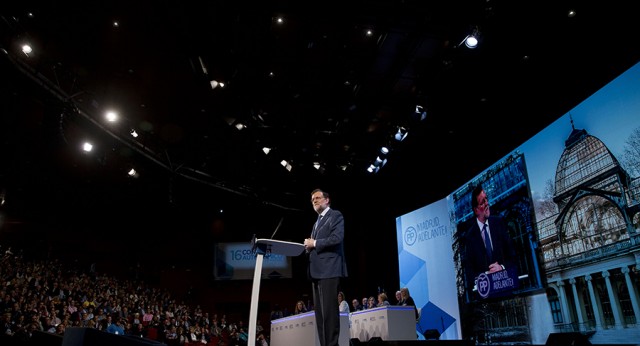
(407, 300)
(383, 300)
(355, 304)
(343, 306)
(300, 308)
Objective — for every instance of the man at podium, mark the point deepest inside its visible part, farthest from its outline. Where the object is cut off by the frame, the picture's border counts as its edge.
(325, 251)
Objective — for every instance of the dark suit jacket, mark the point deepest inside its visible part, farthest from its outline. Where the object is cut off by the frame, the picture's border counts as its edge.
(326, 260)
(476, 260)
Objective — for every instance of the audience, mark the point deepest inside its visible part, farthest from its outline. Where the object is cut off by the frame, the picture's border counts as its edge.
(47, 297)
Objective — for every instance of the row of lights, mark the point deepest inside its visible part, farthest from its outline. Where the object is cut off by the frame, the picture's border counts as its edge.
(470, 41)
(399, 135)
(112, 117)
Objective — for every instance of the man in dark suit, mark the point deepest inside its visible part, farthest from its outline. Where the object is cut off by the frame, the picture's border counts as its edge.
(488, 245)
(327, 265)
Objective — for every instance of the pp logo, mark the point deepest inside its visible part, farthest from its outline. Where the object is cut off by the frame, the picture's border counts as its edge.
(410, 236)
(484, 285)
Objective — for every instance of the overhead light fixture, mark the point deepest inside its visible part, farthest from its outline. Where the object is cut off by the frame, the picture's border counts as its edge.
(111, 116)
(380, 162)
(286, 165)
(471, 40)
(401, 134)
(384, 150)
(216, 84)
(316, 165)
(26, 49)
(87, 147)
(134, 134)
(420, 114)
(266, 150)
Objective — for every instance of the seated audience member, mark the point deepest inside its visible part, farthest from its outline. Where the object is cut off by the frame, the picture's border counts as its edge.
(261, 340)
(276, 313)
(118, 327)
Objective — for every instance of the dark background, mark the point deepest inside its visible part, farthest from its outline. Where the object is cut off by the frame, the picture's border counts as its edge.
(335, 97)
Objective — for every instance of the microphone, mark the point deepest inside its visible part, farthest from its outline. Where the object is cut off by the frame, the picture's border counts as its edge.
(278, 227)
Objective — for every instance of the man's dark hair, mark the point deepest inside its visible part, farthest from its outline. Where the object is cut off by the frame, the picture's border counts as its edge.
(474, 196)
(324, 194)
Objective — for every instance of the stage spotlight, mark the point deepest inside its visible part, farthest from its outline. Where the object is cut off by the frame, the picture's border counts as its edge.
(26, 49)
(286, 165)
(215, 84)
(87, 147)
(471, 41)
(420, 114)
(401, 134)
(111, 116)
(133, 173)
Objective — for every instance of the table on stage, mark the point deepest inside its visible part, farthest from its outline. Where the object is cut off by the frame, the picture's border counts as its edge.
(388, 323)
(301, 330)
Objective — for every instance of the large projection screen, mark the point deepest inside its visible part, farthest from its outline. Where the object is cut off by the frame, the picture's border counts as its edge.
(552, 206)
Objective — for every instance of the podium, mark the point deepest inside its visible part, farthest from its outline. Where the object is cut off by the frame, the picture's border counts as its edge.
(265, 247)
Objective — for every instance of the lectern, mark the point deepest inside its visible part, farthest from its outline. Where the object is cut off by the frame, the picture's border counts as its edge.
(265, 247)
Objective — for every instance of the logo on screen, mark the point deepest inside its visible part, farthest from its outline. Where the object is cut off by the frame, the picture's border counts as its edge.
(410, 235)
(484, 285)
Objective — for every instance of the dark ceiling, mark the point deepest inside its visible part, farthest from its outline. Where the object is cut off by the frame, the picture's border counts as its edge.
(314, 88)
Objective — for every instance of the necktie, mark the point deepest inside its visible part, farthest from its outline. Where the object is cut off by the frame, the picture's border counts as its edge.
(487, 243)
(315, 227)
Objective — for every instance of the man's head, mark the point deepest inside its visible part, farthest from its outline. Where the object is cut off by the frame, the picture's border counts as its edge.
(480, 204)
(320, 200)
